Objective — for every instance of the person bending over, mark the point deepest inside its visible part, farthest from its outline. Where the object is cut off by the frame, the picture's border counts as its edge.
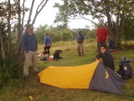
(105, 57)
(48, 43)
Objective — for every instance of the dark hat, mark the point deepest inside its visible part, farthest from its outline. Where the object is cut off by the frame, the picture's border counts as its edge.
(79, 31)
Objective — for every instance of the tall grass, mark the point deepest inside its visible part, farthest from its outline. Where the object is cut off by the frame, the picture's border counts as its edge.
(19, 90)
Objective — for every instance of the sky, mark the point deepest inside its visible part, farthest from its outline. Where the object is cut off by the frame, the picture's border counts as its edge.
(47, 16)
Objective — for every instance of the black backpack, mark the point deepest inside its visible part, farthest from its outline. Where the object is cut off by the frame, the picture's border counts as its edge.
(125, 69)
(111, 46)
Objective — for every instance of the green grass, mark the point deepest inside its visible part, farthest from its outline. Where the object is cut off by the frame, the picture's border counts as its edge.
(18, 90)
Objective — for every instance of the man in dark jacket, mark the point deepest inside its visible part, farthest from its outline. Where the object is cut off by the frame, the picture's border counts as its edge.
(106, 57)
(29, 45)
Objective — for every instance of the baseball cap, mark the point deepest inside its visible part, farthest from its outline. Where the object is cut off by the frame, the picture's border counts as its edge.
(30, 26)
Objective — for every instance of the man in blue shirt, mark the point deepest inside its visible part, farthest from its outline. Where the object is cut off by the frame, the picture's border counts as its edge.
(80, 39)
(48, 43)
(29, 45)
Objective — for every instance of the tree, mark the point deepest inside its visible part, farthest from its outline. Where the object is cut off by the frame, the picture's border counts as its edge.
(58, 33)
(12, 18)
(40, 31)
(67, 34)
(128, 29)
(111, 13)
(64, 13)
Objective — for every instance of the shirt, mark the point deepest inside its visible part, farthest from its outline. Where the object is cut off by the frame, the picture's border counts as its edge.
(80, 38)
(47, 40)
(29, 42)
(102, 34)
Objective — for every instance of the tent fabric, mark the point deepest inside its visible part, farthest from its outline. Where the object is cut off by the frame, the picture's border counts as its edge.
(105, 79)
(68, 77)
(94, 76)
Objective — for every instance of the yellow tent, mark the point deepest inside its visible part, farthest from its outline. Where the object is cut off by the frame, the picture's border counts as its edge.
(68, 77)
(81, 77)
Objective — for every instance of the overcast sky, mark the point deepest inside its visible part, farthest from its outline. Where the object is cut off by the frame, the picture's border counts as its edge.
(47, 16)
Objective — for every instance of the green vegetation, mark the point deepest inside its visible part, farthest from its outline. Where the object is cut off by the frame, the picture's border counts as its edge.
(62, 34)
(116, 15)
(19, 90)
(12, 26)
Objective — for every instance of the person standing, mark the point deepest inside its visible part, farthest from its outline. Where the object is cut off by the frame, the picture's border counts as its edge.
(102, 36)
(29, 45)
(48, 43)
(80, 39)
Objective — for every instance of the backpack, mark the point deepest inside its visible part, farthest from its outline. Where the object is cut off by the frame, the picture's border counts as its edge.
(111, 46)
(125, 69)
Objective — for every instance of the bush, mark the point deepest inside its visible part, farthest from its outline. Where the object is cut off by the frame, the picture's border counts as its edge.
(10, 68)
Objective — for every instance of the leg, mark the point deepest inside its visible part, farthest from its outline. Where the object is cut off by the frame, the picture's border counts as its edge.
(81, 49)
(78, 49)
(28, 58)
(45, 49)
(48, 47)
(34, 62)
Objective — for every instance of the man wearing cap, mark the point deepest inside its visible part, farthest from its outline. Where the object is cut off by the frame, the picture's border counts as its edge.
(80, 39)
(29, 45)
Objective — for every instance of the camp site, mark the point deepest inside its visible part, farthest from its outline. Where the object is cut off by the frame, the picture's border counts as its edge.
(73, 66)
(20, 90)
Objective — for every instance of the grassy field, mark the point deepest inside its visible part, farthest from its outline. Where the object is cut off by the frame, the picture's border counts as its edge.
(19, 90)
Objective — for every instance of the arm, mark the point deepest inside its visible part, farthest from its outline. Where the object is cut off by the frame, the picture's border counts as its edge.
(107, 38)
(36, 43)
(24, 44)
(107, 35)
(98, 58)
(96, 34)
(50, 41)
(96, 38)
(81, 39)
(45, 40)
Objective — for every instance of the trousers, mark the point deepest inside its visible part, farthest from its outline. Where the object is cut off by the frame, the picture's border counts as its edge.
(31, 56)
(80, 49)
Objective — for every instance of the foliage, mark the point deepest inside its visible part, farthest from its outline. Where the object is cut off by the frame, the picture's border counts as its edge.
(91, 34)
(67, 34)
(63, 14)
(111, 13)
(128, 29)
(60, 33)
(9, 67)
(12, 18)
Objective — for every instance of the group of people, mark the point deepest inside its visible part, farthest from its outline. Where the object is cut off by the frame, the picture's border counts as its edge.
(29, 45)
(102, 40)
(104, 54)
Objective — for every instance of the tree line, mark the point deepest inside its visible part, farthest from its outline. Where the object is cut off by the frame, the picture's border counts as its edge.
(61, 33)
